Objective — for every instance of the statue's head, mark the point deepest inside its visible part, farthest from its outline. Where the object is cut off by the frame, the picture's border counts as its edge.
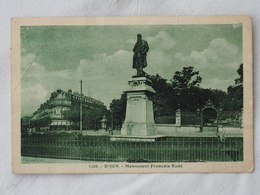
(139, 36)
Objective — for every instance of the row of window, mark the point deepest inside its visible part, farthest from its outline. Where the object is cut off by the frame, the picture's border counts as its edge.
(63, 102)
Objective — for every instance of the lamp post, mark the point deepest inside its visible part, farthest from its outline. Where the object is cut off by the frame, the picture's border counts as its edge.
(112, 125)
(80, 107)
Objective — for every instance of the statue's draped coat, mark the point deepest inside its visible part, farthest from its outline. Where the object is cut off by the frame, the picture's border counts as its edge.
(140, 50)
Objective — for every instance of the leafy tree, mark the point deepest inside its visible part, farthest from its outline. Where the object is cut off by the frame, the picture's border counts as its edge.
(186, 78)
(164, 98)
(91, 117)
(186, 85)
(72, 115)
(240, 73)
(25, 123)
(41, 122)
(118, 110)
(234, 100)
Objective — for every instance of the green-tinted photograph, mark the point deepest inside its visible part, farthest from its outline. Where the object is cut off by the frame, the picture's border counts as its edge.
(131, 93)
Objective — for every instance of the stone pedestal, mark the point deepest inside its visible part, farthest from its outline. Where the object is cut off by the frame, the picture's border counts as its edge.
(139, 119)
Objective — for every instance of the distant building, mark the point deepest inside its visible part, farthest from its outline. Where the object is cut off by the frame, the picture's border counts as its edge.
(61, 101)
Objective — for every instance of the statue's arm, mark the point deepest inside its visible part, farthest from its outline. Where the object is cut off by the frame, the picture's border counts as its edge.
(146, 48)
(134, 47)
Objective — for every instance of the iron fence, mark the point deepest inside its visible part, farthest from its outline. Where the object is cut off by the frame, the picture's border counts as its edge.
(100, 148)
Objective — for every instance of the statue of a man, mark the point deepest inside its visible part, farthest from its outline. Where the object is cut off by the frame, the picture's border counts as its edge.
(139, 59)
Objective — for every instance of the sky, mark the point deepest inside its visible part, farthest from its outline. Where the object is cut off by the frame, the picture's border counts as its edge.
(58, 57)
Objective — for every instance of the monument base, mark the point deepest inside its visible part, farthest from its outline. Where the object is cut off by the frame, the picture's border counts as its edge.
(152, 138)
(139, 120)
(138, 128)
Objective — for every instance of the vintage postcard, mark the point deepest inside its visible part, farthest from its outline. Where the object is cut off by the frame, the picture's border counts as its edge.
(132, 94)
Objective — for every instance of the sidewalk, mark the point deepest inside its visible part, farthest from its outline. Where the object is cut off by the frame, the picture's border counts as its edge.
(98, 132)
(38, 160)
(168, 130)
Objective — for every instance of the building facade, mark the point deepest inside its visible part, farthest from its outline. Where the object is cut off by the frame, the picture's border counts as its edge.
(61, 101)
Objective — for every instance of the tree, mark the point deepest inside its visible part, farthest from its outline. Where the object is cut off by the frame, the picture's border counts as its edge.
(90, 116)
(234, 100)
(240, 73)
(25, 123)
(186, 86)
(41, 122)
(186, 78)
(72, 115)
(164, 98)
(118, 110)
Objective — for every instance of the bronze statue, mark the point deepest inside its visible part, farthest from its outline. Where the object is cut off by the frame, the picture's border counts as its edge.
(139, 59)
